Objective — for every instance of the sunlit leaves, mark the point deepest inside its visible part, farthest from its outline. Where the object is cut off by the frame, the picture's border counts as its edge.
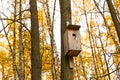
(42, 1)
(1, 35)
(2, 55)
(117, 6)
(41, 17)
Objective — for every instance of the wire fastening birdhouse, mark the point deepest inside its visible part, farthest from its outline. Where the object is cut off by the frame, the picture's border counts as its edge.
(71, 39)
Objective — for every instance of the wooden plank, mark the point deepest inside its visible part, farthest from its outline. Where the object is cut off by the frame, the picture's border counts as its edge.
(71, 63)
(72, 43)
(73, 52)
(65, 41)
(74, 40)
(73, 27)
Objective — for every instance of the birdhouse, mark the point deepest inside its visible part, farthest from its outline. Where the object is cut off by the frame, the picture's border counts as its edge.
(71, 39)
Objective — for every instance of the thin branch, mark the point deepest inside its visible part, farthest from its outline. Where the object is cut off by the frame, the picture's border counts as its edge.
(13, 22)
(21, 12)
(107, 74)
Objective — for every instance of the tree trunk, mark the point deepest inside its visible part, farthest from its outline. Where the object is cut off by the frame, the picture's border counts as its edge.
(114, 17)
(14, 44)
(66, 71)
(35, 48)
(50, 23)
(3, 72)
(21, 51)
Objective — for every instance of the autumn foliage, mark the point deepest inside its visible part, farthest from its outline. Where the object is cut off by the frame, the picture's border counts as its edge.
(100, 56)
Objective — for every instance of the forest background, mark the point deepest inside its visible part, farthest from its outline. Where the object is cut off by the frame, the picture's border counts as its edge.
(99, 34)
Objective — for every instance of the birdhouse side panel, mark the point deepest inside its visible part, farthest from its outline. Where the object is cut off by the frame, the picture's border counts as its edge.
(65, 41)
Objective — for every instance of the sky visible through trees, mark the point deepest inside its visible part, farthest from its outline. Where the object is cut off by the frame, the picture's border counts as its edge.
(99, 34)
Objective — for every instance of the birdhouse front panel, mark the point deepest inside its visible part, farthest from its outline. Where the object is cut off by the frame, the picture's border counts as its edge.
(72, 43)
(74, 40)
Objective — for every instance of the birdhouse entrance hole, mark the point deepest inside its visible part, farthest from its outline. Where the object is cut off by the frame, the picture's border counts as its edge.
(74, 35)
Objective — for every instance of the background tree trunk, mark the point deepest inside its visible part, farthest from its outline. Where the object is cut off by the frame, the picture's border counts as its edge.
(14, 44)
(66, 71)
(21, 50)
(114, 17)
(35, 49)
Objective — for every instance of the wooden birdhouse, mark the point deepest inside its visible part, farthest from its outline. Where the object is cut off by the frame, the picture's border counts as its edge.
(71, 38)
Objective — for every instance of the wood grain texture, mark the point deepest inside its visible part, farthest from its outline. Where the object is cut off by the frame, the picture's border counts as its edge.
(72, 43)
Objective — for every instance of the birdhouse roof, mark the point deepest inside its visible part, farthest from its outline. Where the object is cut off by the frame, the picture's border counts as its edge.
(73, 27)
